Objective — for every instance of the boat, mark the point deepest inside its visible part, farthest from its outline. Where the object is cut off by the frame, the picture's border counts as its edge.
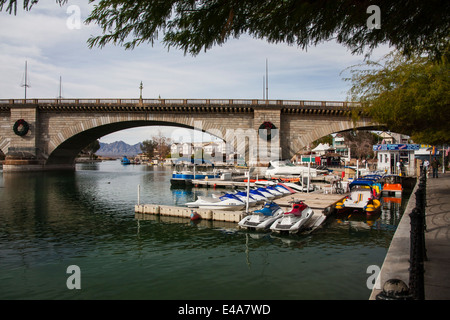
(363, 198)
(182, 178)
(284, 186)
(266, 193)
(286, 168)
(125, 160)
(242, 195)
(277, 193)
(263, 218)
(293, 221)
(283, 189)
(300, 187)
(225, 202)
(258, 196)
(392, 184)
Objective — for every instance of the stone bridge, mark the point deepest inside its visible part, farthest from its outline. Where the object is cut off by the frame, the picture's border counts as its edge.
(44, 134)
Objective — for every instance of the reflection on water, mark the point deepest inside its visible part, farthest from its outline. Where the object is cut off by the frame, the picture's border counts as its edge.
(49, 221)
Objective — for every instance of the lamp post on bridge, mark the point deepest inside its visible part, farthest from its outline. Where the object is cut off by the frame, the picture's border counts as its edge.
(140, 97)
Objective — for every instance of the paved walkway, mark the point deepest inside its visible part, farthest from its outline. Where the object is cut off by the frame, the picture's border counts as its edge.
(437, 238)
(437, 242)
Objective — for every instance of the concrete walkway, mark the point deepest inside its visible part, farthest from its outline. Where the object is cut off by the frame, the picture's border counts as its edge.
(437, 242)
(437, 238)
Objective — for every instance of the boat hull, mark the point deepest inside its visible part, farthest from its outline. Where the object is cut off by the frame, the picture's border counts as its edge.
(258, 222)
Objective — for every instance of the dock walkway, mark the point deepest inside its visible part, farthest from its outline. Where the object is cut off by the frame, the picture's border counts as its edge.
(321, 203)
(437, 243)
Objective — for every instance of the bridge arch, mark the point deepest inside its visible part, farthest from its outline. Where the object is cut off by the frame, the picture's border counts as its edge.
(64, 147)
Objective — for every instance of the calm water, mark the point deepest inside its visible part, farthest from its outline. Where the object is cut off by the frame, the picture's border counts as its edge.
(49, 221)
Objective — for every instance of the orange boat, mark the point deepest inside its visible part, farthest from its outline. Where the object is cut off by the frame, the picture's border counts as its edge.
(290, 179)
(392, 200)
(393, 184)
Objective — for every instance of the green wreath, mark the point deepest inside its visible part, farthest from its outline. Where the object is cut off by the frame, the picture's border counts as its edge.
(21, 127)
(267, 125)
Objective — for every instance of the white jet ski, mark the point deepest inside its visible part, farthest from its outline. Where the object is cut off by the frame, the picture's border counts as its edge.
(263, 218)
(266, 193)
(294, 220)
(277, 193)
(242, 195)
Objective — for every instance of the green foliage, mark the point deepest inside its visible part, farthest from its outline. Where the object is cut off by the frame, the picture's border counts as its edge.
(412, 26)
(410, 95)
(327, 139)
(148, 148)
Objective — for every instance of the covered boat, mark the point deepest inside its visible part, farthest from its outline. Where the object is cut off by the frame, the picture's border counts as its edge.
(286, 168)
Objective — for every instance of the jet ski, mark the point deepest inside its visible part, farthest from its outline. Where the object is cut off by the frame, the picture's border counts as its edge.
(225, 202)
(282, 189)
(242, 195)
(266, 193)
(277, 193)
(293, 221)
(258, 196)
(263, 218)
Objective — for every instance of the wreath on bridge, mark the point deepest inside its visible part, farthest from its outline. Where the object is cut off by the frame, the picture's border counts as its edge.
(21, 127)
(267, 125)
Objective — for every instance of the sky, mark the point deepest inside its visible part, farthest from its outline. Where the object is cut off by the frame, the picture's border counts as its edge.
(53, 41)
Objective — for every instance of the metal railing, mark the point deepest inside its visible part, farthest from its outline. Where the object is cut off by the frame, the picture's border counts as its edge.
(418, 252)
(395, 289)
(289, 103)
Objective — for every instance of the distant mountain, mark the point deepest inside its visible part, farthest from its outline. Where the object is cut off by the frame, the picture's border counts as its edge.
(119, 149)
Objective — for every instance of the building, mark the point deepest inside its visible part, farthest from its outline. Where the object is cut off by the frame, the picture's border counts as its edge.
(340, 146)
(396, 158)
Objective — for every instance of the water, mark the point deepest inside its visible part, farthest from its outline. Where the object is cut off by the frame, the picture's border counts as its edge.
(49, 221)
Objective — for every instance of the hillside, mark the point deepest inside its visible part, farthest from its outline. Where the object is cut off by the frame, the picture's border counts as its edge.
(118, 149)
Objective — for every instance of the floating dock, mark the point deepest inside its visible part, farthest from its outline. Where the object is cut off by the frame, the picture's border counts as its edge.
(321, 203)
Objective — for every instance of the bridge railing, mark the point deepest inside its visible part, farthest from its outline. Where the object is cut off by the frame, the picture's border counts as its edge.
(222, 102)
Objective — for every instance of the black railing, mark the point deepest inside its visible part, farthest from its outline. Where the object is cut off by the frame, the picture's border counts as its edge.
(418, 253)
(395, 289)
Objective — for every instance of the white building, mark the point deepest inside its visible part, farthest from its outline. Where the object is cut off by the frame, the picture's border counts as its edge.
(391, 156)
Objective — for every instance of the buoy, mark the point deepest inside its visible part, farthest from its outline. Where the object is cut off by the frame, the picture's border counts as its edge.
(195, 215)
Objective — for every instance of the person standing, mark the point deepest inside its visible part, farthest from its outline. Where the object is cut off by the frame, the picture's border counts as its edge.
(435, 165)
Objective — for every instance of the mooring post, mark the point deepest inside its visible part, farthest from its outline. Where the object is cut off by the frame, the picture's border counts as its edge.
(139, 194)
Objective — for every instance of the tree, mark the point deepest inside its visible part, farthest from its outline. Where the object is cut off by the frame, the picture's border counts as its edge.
(412, 26)
(360, 143)
(162, 145)
(148, 148)
(408, 95)
(326, 139)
